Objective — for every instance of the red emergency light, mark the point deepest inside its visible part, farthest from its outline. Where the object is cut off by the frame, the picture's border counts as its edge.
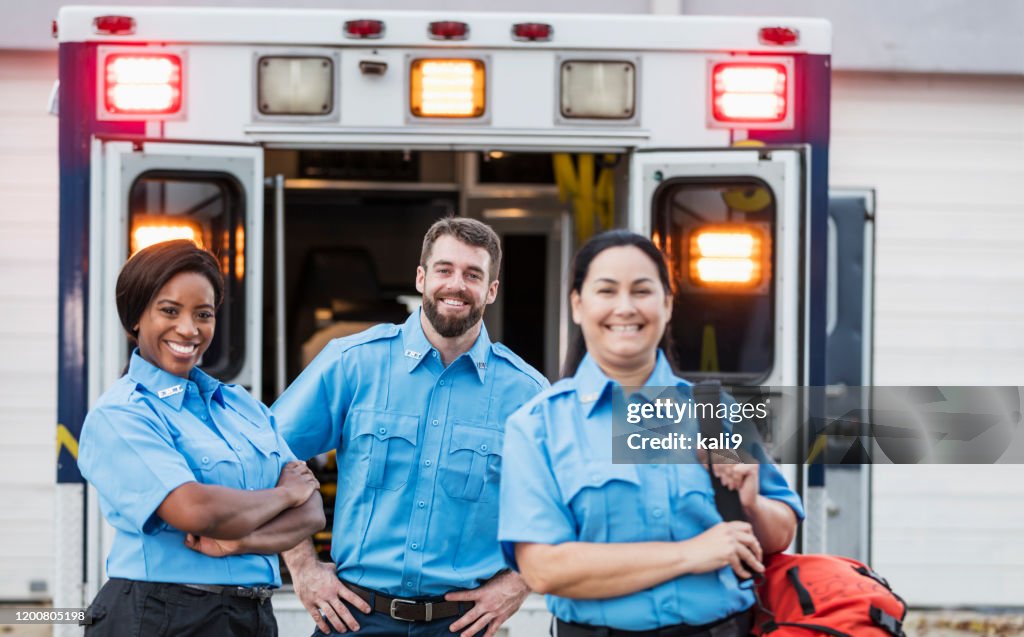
(114, 25)
(745, 92)
(448, 30)
(532, 32)
(142, 84)
(780, 36)
(367, 29)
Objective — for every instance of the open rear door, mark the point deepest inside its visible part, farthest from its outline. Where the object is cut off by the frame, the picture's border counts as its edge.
(151, 192)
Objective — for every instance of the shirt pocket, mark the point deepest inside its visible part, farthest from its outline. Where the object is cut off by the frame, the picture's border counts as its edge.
(386, 442)
(606, 501)
(213, 462)
(471, 470)
(693, 502)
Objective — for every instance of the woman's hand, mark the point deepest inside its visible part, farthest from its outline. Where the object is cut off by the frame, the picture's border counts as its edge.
(211, 547)
(725, 544)
(744, 478)
(298, 481)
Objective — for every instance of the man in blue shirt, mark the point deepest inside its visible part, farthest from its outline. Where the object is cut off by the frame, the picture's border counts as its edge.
(417, 414)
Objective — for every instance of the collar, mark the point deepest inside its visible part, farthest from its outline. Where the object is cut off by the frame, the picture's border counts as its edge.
(167, 386)
(592, 383)
(417, 347)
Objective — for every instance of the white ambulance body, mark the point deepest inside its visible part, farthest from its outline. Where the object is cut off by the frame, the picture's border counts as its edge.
(310, 149)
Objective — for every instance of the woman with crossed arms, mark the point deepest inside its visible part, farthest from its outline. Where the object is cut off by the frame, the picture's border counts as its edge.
(619, 549)
(191, 473)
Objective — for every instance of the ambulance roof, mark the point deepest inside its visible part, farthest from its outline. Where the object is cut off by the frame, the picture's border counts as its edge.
(319, 27)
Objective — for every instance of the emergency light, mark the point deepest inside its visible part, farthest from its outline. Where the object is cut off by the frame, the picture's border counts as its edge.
(450, 88)
(142, 84)
(728, 255)
(147, 232)
(748, 92)
(293, 85)
(598, 89)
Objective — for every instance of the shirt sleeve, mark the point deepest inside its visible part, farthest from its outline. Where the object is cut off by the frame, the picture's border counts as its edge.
(531, 507)
(311, 411)
(286, 452)
(773, 484)
(128, 455)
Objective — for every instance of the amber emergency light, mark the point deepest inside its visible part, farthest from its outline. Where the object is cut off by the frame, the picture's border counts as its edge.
(728, 256)
(452, 88)
(147, 231)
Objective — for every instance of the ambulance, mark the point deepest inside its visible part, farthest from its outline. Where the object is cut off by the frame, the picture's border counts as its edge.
(311, 149)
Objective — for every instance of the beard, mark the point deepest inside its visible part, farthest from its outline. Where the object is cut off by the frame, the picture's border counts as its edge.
(450, 326)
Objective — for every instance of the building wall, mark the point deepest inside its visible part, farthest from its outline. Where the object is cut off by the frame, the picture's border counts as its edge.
(28, 323)
(945, 154)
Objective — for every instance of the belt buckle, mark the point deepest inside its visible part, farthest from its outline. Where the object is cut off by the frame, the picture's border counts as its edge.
(394, 609)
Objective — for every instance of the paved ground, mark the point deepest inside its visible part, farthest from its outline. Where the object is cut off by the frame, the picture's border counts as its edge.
(962, 624)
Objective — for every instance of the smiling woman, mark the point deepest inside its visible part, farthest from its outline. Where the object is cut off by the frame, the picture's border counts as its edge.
(619, 548)
(191, 472)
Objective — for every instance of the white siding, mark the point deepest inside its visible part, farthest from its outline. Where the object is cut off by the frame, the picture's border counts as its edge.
(28, 323)
(946, 155)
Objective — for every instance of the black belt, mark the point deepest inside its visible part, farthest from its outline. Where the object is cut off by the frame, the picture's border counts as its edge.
(261, 593)
(737, 625)
(410, 610)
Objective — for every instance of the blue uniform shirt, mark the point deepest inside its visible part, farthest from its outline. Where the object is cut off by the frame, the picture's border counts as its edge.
(560, 486)
(152, 432)
(419, 453)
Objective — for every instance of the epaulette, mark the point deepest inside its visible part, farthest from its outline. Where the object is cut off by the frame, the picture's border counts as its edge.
(517, 362)
(561, 388)
(375, 333)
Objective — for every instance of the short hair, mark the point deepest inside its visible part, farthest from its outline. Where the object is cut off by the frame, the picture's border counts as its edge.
(149, 270)
(469, 231)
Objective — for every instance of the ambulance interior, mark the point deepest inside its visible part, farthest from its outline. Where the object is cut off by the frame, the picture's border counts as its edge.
(353, 228)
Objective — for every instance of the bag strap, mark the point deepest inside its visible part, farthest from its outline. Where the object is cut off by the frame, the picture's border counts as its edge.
(726, 501)
(886, 621)
(772, 626)
(802, 594)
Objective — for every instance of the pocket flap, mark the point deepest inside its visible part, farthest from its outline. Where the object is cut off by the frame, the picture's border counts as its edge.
(204, 454)
(383, 425)
(479, 439)
(595, 475)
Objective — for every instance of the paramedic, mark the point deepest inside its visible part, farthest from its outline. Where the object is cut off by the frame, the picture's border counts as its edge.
(628, 549)
(416, 413)
(181, 462)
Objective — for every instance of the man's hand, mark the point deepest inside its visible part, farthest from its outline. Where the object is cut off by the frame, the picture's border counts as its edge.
(495, 602)
(321, 592)
(211, 547)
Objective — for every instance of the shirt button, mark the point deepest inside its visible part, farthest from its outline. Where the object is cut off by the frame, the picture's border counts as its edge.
(382, 431)
(414, 546)
(427, 463)
(483, 447)
(421, 504)
(657, 513)
(434, 353)
(203, 417)
(441, 383)
(433, 422)
(408, 584)
(206, 459)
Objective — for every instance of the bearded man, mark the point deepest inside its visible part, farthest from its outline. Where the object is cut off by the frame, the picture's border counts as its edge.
(417, 415)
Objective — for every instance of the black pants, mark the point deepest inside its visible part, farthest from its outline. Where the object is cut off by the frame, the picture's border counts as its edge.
(737, 625)
(126, 608)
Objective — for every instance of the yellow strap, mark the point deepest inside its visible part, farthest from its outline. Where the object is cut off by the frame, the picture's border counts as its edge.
(709, 350)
